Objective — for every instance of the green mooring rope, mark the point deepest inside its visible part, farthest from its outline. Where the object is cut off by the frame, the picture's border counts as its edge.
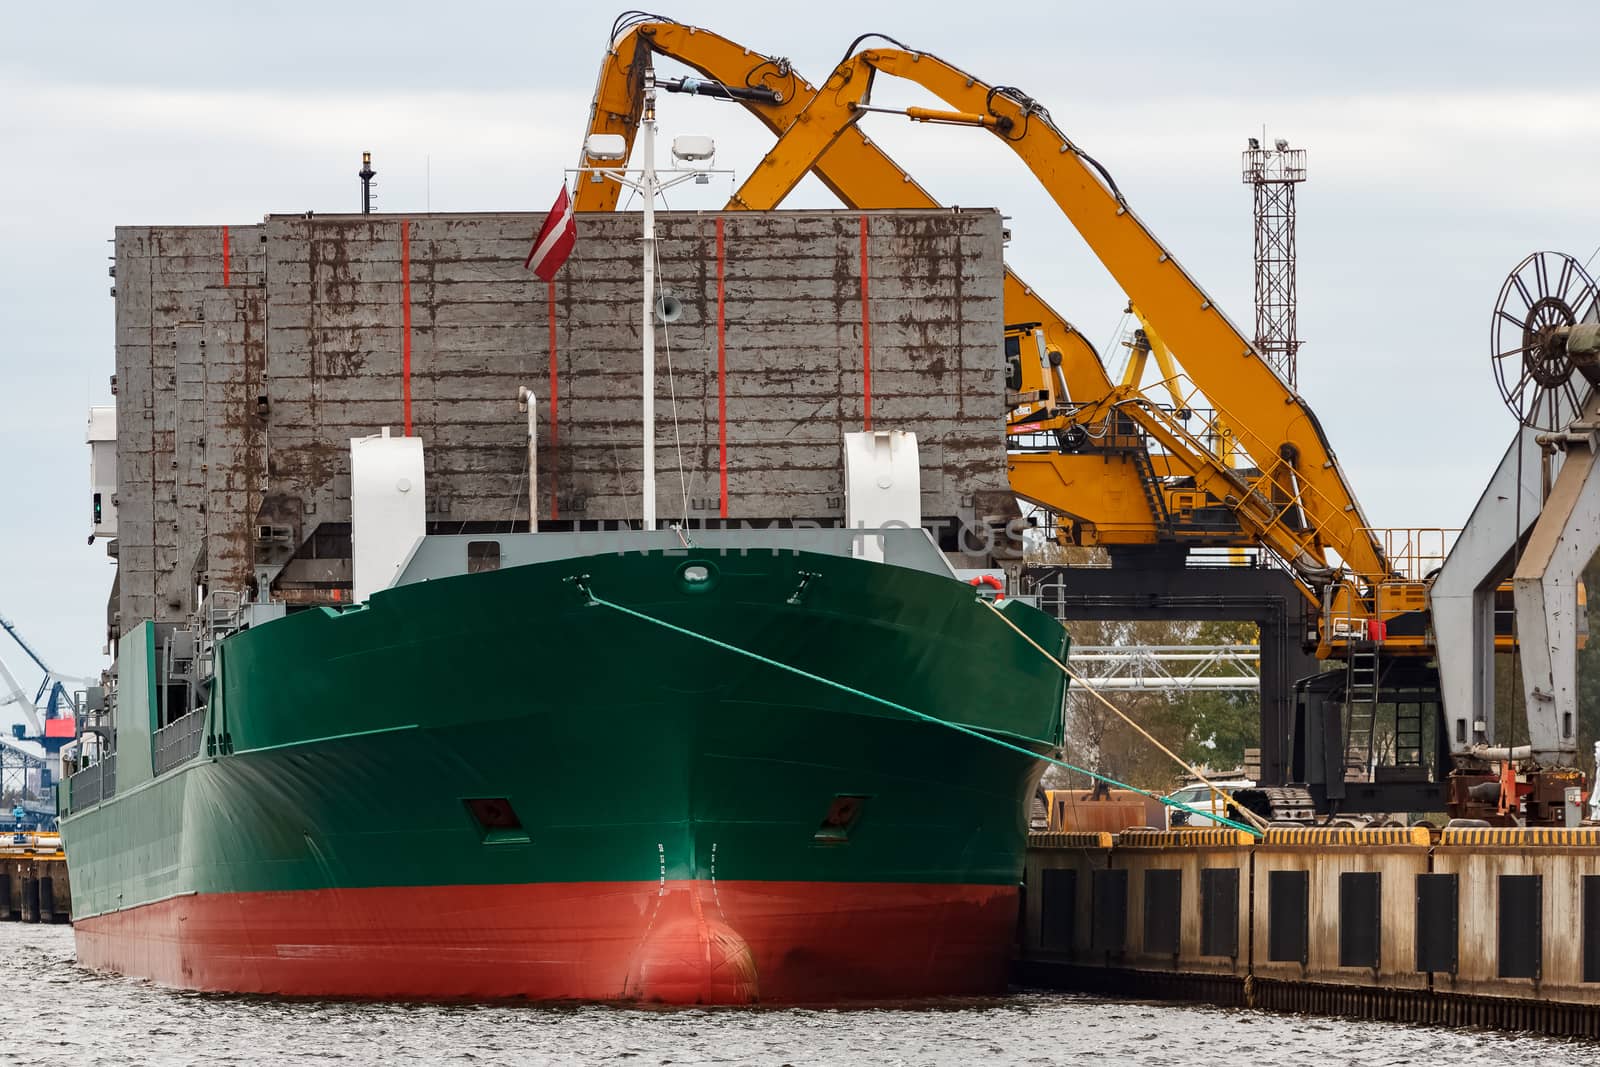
(934, 719)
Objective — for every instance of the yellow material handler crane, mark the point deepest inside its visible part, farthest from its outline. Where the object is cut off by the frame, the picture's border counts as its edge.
(1116, 463)
(1291, 497)
(1120, 495)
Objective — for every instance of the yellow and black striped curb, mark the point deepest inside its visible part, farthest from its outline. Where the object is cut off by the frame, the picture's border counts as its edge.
(1346, 837)
(1078, 839)
(1196, 838)
(1520, 836)
(1330, 837)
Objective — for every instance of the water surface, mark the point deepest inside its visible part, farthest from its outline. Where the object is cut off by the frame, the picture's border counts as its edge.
(56, 1013)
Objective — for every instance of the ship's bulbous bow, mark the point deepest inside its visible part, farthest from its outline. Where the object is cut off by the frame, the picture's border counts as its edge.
(691, 957)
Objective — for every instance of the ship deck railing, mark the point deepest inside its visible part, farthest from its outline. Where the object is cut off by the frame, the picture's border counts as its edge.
(94, 783)
(179, 741)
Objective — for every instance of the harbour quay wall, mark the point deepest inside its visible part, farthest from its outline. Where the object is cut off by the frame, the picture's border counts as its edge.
(34, 886)
(1488, 927)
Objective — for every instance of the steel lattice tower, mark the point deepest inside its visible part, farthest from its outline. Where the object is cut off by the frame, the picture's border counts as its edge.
(1274, 173)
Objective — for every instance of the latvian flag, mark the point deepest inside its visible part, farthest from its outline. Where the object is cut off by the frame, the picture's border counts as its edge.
(554, 242)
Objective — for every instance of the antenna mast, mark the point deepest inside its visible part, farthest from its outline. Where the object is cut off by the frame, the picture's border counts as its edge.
(648, 188)
(1274, 172)
(366, 174)
(695, 152)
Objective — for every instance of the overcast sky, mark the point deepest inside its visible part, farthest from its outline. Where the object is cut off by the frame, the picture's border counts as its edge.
(1445, 142)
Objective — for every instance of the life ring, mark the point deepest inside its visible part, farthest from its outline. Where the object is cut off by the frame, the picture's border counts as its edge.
(992, 582)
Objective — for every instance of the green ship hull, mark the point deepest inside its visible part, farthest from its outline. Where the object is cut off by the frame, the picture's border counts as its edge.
(489, 785)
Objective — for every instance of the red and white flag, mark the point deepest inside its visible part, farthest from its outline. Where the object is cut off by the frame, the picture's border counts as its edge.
(555, 239)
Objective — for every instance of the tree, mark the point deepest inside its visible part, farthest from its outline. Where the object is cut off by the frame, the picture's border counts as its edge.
(1211, 728)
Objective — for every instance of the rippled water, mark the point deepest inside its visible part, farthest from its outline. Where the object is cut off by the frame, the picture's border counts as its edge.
(55, 1013)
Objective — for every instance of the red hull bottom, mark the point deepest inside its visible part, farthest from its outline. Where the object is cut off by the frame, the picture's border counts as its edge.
(688, 942)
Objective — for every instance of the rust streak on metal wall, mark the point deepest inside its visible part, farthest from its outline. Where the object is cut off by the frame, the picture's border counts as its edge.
(722, 374)
(555, 426)
(866, 336)
(236, 416)
(184, 468)
(405, 312)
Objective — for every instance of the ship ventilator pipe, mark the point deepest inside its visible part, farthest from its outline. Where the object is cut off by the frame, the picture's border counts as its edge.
(934, 719)
(527, 402)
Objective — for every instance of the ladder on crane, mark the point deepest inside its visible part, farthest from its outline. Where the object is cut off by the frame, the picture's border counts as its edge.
(1361, 709)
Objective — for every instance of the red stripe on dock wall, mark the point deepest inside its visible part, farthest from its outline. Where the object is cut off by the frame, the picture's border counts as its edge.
(722, 379)
(405, 315)
(555, 508)
(226, 271)
(866, 336)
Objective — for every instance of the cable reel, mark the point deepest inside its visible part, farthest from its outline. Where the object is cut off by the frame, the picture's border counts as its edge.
(1542, 299)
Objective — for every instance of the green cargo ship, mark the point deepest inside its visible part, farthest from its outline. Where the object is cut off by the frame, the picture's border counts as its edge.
(629, 812)
(365, 742)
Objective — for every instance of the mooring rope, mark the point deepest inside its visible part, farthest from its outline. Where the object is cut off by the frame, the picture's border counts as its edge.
(923, 716)
(1250, 816)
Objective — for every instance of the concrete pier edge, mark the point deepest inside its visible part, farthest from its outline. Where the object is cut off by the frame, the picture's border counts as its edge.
(1490, 928)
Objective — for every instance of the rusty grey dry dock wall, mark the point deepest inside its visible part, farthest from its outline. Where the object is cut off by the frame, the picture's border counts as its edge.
(236, 397)
(164, 276)
(1485, 927)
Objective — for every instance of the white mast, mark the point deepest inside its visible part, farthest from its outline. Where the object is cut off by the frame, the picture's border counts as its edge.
(612, 147)
(647, 131)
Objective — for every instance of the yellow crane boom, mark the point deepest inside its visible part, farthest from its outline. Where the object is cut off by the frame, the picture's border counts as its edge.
(1102, 499)
(1273, 424)
(1294, 500)
(852, 167)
